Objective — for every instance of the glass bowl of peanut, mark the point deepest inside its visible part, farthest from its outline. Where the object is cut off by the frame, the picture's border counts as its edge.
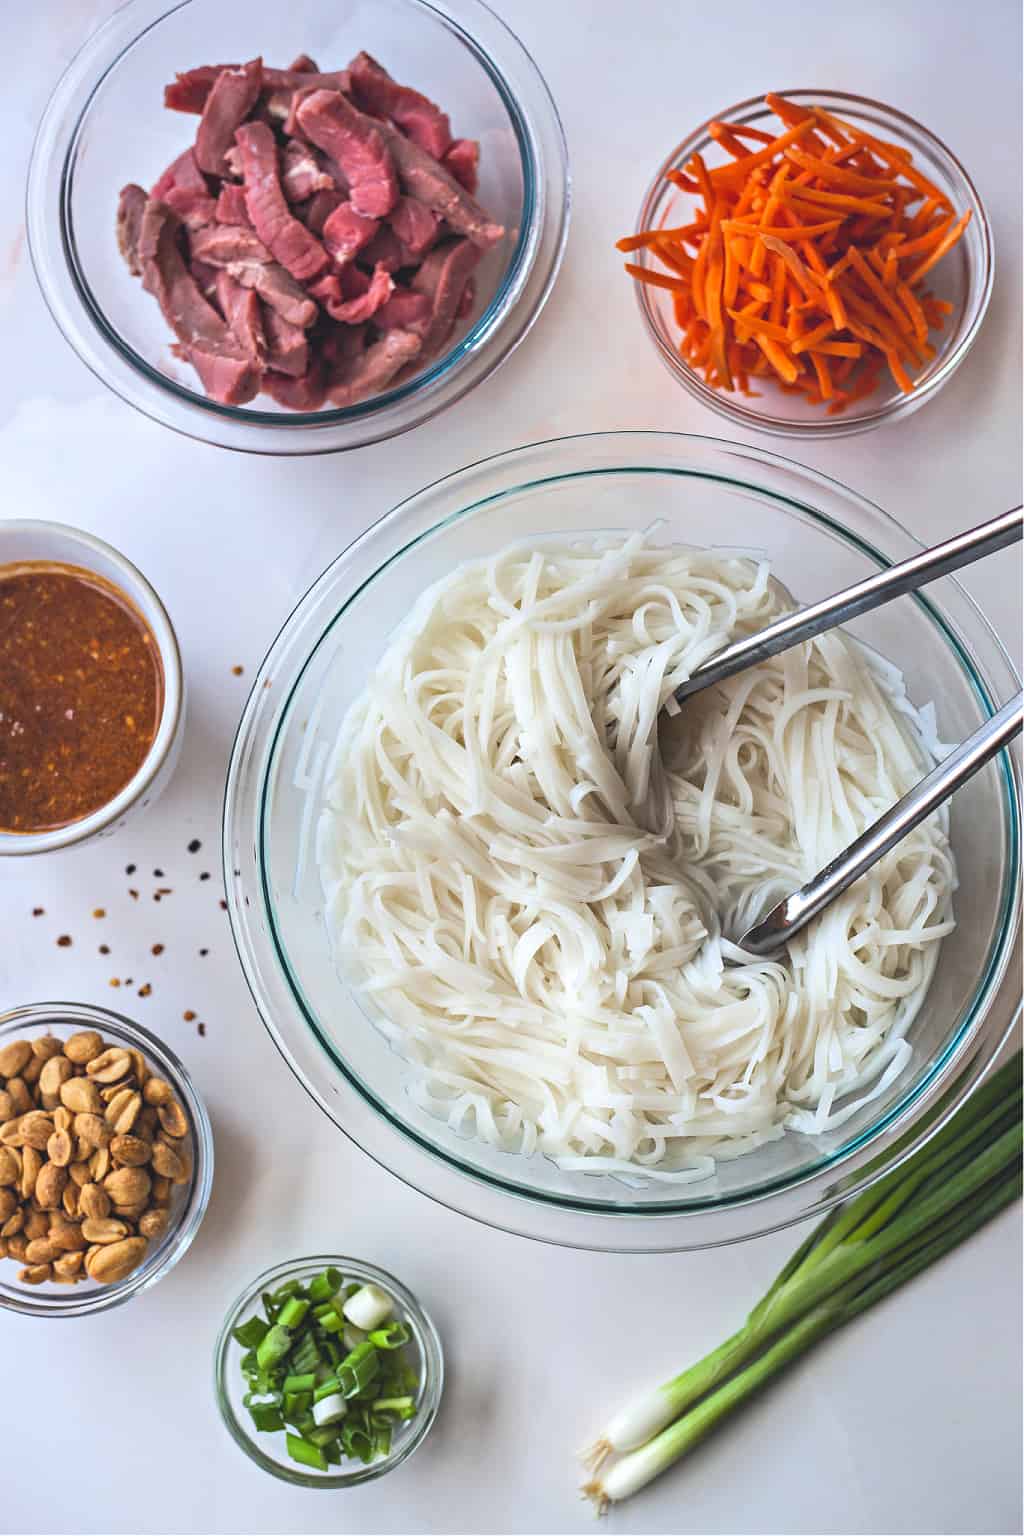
(106, 1159)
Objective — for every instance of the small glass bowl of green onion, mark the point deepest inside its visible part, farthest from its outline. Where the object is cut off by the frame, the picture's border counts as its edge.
(328, 1372)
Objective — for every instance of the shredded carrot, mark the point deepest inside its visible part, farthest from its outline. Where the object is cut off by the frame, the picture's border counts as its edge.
(804, 258)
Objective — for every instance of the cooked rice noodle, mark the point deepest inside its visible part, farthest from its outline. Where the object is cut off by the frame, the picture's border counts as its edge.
(557, 970)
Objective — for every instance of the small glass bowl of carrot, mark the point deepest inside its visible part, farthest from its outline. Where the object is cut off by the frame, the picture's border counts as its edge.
(812, 263)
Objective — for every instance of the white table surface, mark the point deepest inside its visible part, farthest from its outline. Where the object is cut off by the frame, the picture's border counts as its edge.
(907, 1422)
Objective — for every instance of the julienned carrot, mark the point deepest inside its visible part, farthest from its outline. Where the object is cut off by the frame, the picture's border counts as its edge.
(804, 258)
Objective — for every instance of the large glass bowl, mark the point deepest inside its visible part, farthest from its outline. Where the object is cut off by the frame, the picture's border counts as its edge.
(820, 537)
(106, 125)
(964, 277)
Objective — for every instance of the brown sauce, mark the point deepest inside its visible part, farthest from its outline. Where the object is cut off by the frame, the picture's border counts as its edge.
(81, 694)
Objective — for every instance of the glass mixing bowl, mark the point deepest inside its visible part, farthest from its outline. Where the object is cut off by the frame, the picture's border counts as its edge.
(106, 125)
(964, 277)
(819, 537)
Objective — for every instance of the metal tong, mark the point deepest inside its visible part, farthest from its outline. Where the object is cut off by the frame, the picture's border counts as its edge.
(773, 931)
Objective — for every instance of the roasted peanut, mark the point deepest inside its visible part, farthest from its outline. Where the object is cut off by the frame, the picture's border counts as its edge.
(157, 1091)
(59, 1148)
(93, 1130)
(21, 1099)
(94, 1201)
(15, 1057)
(34, 1274)
(109, 1065)
(50, 1185)
(153, 1223)
(31, 1163)
(56, 1070)
(125, 1186)
(83, 1047)
(81, 1096)
(113, 1261)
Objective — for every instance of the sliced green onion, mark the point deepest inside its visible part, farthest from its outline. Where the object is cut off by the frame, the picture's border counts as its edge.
(358, 1369)
(293, 1311)
(392, 1336)
(369, 1307)
(305, 1452)
(266, 1416)
(251, 1333)
(304, 1383)
(273, 1347)
(329, 1409)
(404, 1407)
(326, 1388)
(324, 1285)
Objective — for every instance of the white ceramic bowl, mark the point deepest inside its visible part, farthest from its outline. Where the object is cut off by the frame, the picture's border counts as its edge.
(31, 539)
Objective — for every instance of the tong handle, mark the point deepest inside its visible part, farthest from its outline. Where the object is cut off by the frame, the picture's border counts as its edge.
(795, 911)
(865, 595)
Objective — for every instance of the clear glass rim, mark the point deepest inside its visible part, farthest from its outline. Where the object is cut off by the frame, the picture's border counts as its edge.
(75, 1302)
(859, 1149)
(534, 263)
(746, 415)
(428, 1341)
(23, 844)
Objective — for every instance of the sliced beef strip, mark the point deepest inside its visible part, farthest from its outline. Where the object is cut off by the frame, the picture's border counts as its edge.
(227, 373)
(194, 209)
(301, 173)
(318, 210)
(340, 348)
(361, 306)
(231, 207)
(375, 368)
(442, 279)
(243, 313)
(415, 224)
(357, 143)
(287, 345)
(305, 394)
(131, 205)
(278, 289)
(462, 159)
(374, 91)
(220, 244)
(232, 98)
(304, 65)
(288, 240)
(346, 232)
(405, 310)
(423, 178)
(206, 281)
(240, 250)
(387, 251)
(182, 172)
(188, 92)
(231, 379)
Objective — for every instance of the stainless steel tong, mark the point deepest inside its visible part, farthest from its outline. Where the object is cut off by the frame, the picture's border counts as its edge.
(773, 931)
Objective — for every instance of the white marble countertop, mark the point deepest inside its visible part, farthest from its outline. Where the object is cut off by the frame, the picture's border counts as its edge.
(909, 1421)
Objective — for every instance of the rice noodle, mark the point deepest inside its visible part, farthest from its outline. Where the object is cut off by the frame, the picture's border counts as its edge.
(556, 969)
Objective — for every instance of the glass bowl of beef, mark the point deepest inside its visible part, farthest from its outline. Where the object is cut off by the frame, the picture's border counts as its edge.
(188, 1201)
(106, 126)
(819, 537)
(963, 278)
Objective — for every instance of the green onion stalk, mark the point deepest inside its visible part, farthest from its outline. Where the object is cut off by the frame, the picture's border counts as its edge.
(966, 1174)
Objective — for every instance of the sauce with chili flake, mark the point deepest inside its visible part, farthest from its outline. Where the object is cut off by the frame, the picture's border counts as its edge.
(81, 694)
